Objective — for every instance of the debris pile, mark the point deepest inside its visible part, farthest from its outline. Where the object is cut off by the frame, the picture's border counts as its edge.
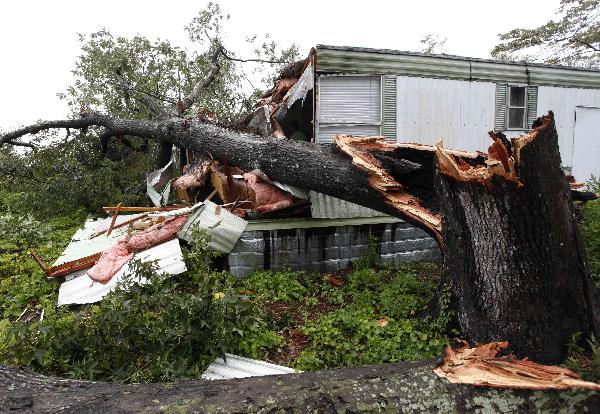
(215, 197)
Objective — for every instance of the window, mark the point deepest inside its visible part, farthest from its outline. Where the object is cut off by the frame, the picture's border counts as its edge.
(517, 107)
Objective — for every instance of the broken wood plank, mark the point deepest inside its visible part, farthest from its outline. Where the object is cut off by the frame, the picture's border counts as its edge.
(144, 209)
(114, 218)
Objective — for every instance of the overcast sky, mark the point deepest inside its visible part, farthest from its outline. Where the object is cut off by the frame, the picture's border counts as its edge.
(39, 38)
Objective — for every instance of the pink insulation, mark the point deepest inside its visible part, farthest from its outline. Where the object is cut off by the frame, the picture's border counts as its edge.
(268, 197)
(113, 258)
(159, 233)
(109, 263)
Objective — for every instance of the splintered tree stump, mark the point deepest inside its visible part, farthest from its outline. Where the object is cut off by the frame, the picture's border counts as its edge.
(514, 259)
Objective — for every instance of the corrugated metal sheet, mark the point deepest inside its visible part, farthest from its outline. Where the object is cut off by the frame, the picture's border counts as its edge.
(563, 102)
(500, 118)
(81, 245)
(224, 228)
(532, 92)
(389, 107)
(459, 112)
(350, 60)
(83, 289)
(324, 206)
(240, 367)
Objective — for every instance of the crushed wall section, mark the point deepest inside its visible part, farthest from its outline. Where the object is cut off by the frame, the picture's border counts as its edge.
(328, 249)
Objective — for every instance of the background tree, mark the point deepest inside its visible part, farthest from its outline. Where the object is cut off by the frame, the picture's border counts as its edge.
(433, 43)
(574, 39)
(133, 78)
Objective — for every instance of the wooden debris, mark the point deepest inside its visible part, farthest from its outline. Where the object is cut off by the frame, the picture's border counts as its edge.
(125, 223)
(143, 209)
(480, 366)
(194, 177)
(66, 268)
(114, 218)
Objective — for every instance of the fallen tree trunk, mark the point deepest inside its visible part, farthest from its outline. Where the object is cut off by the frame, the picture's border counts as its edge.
(401, 387)
(514, 262)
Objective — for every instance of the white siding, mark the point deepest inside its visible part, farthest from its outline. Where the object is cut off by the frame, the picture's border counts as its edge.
(460, 112)
(562, 101)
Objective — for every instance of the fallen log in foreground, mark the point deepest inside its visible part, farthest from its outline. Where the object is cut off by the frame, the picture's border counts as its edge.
(401, 387)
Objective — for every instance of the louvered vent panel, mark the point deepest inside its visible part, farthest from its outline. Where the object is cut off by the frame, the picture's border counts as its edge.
(500, 120)
(532, 94)
(389, 107)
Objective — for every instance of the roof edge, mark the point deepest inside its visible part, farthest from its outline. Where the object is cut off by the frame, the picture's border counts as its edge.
(524, 64)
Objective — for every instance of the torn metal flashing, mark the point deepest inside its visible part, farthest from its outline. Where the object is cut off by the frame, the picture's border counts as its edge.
(158, 183)
(224, 227)
(326, 207)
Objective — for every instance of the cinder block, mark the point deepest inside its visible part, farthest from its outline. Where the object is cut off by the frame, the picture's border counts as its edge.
(356, 252)
(241, 271)
(332, 266)
(332, 253)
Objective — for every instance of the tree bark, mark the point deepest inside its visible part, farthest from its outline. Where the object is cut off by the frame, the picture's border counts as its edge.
(401, 387)
(514, 262)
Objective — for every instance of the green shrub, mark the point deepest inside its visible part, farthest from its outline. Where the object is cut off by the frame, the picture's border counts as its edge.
(169, 329)
(279, 286)
(377, 324)
(584, 360)
(590, 229)
(23, 285)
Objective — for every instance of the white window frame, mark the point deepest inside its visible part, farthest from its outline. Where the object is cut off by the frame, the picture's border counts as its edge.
(320, 123)
(523, 127)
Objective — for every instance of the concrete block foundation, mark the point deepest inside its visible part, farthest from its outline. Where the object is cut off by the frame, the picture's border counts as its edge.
(321, 245)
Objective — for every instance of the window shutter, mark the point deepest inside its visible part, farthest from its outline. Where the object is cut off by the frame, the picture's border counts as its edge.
(500, 123)
(389, 107)
(532, 93)
(350, 99)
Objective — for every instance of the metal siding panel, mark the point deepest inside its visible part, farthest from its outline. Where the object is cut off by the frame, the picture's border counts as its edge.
(586, 144)
(324, 206)
(459, 112)
(81, 245)
(532, 92)
(500, 116)
(328, 132)
(562, 101)
(223, 227)
(390, 100)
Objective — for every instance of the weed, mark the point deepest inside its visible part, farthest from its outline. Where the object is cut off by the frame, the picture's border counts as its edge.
(584, 360)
